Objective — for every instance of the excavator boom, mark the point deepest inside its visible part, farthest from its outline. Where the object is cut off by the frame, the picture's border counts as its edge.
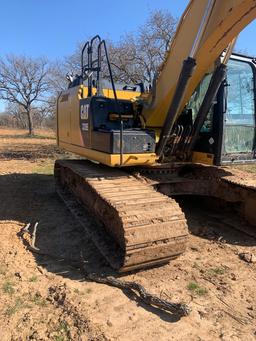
(205, 30)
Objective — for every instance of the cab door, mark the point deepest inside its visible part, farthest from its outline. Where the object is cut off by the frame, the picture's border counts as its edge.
(239, 117)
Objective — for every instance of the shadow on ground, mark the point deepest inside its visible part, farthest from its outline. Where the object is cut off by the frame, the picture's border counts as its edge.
(31, 198)
(213, 219)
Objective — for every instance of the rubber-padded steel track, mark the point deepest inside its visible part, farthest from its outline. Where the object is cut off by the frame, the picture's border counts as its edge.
(146, 227)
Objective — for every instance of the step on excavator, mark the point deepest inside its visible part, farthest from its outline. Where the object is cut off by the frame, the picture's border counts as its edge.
(141, 149)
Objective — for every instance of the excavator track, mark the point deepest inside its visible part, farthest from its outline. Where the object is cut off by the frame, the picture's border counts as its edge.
(136, 226)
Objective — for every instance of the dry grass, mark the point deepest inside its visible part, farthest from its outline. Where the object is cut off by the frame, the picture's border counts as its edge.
(23, 133)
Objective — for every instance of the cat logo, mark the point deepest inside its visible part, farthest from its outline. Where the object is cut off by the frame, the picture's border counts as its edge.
(84, 111)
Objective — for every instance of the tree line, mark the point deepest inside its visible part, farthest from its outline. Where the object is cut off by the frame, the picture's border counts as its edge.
(29, 86)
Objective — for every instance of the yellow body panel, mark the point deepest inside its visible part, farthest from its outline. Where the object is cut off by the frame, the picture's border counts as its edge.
(227, 20)
(205, 158)
(70, 136)
(112, 160)
(120, 94)
(68, 105)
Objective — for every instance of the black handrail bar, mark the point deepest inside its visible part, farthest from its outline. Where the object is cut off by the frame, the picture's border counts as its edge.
(82, 58)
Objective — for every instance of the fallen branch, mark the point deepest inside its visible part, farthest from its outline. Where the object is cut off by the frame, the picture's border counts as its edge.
(174, 308)
(149, 299)
(30, 244)
(33, 237)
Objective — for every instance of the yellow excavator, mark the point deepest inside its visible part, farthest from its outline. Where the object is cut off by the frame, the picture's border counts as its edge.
(142, 148)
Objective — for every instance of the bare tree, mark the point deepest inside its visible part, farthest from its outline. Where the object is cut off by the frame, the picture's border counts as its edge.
(154, 41)
(136, 57)
(45, 114)
(16, 117)
(125, 60)
(57, 77)
(18, 114)
(6, 120)
(23, 81)
(73, 62)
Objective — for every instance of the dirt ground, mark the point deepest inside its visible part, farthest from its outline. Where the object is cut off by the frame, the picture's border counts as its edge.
(45, 298)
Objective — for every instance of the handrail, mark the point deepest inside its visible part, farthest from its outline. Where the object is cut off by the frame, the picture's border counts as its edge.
(82, 57)
(103, 42)
(90, 62)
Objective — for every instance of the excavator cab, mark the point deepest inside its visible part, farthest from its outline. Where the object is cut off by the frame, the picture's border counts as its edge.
(228, 134)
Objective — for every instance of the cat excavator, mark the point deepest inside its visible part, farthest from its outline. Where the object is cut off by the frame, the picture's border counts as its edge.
(140, 149)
